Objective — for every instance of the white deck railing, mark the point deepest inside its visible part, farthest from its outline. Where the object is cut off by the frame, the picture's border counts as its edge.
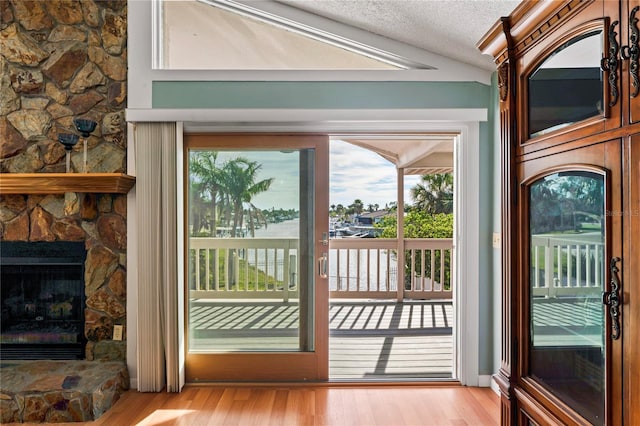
(368, 268)
(239, 268)
(267, 268)
(567, 265)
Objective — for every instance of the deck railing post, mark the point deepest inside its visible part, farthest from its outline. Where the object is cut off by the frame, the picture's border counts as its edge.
(207, 276)
(216, 270)
(400, 221)
(289, 275)
(197, 269)
(549, 281)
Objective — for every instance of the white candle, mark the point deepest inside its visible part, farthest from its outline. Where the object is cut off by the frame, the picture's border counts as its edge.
(85, 155)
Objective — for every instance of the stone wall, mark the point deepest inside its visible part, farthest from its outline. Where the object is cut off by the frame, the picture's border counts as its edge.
(60, 60)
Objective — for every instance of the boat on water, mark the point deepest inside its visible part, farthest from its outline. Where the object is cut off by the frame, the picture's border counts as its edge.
(361, 227)
(353, 231)
(363, 231)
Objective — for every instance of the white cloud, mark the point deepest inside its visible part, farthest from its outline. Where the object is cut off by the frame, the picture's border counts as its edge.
(355, 173)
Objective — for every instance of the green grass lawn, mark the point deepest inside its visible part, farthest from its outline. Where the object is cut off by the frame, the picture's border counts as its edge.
(249, 277)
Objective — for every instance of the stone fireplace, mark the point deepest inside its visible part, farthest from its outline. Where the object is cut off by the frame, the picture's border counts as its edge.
(76, 239)
(65, 60)
(92, 227)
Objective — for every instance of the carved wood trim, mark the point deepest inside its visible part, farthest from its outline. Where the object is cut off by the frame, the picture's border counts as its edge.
(59, 183)
(545, 24)
(503, 81)
(533, 19)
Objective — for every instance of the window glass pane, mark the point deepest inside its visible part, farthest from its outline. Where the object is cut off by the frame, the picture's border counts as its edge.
(200, 35)
(567, 275)
(251, 275)
(568, 86)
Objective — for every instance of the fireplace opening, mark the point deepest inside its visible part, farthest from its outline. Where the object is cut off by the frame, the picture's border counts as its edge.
(42, 300)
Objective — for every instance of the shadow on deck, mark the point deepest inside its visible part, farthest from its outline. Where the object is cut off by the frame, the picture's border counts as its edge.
(371, 340)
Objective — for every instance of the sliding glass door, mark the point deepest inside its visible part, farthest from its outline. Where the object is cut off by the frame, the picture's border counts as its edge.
(256, 302)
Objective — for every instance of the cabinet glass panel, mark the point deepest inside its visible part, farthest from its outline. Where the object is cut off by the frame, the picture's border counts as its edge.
(568, 85)
(567, 275)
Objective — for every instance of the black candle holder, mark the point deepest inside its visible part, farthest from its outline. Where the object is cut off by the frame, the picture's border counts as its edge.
(69, 140)
(85, 126)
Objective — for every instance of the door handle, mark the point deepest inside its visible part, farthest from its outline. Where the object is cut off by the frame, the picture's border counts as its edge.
(634, 51)
(322, 266)
(612, 299)
(610, 63)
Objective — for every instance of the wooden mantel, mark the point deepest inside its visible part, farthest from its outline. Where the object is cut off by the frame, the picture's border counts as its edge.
(59, 183)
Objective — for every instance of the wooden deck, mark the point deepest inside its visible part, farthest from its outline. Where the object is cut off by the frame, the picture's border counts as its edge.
(369, 340)
(388, 340)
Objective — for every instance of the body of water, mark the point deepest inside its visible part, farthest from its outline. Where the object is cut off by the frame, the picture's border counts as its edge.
(343, 271)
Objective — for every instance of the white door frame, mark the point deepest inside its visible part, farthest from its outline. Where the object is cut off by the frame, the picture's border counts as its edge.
(464, 122)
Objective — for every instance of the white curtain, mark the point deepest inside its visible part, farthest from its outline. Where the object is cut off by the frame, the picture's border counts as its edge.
(159, 343)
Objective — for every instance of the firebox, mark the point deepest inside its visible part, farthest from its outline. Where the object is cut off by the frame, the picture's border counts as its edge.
(42, 299)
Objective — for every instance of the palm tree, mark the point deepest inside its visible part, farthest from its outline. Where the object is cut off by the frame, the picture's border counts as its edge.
(255, 216)
(240, 186)
(198, 207)
(357, 206)
(434, 194)
(205, 187)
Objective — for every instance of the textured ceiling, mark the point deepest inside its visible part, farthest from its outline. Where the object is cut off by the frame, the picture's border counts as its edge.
(449, 28)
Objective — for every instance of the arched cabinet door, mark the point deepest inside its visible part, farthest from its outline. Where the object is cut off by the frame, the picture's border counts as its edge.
(569, 83)
(568, 86)
(570, 288)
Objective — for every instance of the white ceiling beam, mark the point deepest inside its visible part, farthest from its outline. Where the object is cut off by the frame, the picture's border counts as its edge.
(340, 121)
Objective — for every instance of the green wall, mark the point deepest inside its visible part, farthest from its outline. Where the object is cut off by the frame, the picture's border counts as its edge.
(488, 194)
(494, 120)
(315, 94)
(375, 95)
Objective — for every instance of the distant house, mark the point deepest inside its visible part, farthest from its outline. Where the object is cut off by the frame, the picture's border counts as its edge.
(371, 218)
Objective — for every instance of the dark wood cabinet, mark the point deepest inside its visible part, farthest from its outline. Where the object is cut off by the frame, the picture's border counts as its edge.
(570, 145)
(630, 33)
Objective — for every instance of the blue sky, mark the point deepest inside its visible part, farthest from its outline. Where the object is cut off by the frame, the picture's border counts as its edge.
(358, 173)
(354, 173)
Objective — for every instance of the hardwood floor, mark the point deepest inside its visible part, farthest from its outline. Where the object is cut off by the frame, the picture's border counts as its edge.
(307, 405)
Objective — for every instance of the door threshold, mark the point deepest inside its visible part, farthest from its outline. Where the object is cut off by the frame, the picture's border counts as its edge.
(395, 382)
(334, 383)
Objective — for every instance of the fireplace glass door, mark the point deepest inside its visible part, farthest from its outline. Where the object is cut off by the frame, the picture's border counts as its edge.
(42, 302)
